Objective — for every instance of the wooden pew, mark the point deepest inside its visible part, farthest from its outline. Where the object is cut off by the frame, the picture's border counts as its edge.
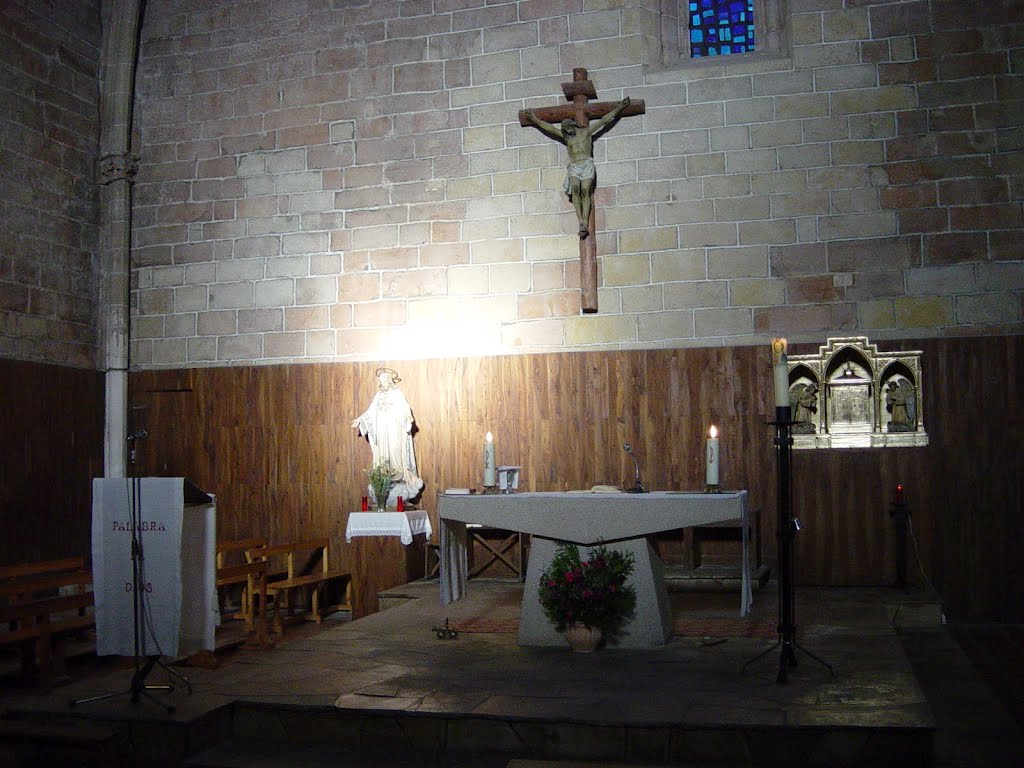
(41, 606)
(253, 577)
(307, 570)
(243, 581)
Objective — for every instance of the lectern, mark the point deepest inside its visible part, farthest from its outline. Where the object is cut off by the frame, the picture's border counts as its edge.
(174, 551)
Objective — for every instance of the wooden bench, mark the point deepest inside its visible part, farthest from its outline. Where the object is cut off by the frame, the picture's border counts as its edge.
(728, 530)
(307, 570)
(241, 581)
(253, 578)
(41, 606)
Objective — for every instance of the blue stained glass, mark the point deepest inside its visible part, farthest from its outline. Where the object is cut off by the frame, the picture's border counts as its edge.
(719, 27)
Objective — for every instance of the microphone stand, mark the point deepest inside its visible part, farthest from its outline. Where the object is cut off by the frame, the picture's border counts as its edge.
(788, 526)
(138, 687)
(638, 487)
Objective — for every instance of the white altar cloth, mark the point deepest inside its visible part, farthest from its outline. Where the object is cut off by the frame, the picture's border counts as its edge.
(406, 525)
(620, 520)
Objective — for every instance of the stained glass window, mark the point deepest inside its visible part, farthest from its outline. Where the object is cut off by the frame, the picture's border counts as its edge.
(719, 27)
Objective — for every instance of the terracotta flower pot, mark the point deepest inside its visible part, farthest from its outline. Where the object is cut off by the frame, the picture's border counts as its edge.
(583, 639)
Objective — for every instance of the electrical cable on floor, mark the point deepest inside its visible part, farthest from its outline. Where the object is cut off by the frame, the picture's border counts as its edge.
(920, 566)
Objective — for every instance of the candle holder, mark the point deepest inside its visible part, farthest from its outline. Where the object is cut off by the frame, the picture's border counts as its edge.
(788, 527)
(712, 488)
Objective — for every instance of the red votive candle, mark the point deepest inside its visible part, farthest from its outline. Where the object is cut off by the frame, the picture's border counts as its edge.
(899, 494)
(400, 504)
(364, 504)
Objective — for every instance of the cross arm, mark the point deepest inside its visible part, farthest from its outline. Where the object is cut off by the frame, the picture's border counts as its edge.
(592, 110)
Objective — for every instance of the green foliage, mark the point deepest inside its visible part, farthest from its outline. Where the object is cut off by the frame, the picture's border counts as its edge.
(382, 478)
(593, 592)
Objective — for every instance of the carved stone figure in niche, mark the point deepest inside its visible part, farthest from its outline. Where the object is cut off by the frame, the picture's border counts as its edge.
(899, 401)
(804, 398)
(387, 423)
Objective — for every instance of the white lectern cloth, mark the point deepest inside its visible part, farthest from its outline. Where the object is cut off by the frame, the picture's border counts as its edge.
(177, 571)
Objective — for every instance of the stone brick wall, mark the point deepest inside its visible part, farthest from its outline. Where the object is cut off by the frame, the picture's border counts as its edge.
(49, 130)
(348, 180)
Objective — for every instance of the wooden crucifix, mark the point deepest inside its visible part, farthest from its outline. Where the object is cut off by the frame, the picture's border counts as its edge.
(570, 125)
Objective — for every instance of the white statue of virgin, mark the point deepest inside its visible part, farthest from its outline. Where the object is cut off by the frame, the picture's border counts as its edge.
(387, 423)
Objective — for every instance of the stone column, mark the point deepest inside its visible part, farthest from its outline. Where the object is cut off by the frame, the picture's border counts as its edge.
(115, 173)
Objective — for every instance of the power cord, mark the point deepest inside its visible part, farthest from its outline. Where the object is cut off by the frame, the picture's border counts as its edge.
(920, 566)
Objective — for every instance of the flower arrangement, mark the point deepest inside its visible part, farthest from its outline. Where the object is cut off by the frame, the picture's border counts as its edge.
(591, 592)
(382, 478)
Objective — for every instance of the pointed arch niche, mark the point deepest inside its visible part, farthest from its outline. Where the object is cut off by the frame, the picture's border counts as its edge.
(850, 395)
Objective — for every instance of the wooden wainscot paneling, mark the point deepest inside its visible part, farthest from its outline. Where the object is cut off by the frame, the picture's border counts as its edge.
(51, 420)
(275, 443)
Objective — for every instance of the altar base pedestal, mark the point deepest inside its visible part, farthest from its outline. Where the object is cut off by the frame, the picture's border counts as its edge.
(651, 625)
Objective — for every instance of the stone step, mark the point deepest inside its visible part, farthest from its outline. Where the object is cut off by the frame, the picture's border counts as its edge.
(240, 753)
(713, 578)
(71, 742)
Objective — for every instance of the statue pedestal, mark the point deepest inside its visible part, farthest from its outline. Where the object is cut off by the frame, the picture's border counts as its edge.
(380, 563)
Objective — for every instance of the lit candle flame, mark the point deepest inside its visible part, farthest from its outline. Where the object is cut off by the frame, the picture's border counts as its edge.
(713, 432)
(490, 438)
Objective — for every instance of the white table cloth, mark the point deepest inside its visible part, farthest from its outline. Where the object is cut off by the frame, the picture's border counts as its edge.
(405, 525)
(620, 520)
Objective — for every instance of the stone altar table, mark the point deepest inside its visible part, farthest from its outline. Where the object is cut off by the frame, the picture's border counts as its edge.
(623, 521)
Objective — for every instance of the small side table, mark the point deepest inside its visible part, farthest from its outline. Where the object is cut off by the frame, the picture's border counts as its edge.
(389, 549)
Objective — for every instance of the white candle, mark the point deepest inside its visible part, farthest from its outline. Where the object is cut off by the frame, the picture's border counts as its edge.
(781, 370)
(712, 456)
(489, 460)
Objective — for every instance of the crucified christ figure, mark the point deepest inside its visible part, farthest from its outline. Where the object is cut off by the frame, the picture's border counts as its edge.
(581, 176)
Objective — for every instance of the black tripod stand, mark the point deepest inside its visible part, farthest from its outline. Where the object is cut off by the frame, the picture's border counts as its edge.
(138, 687)
(788, 527)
